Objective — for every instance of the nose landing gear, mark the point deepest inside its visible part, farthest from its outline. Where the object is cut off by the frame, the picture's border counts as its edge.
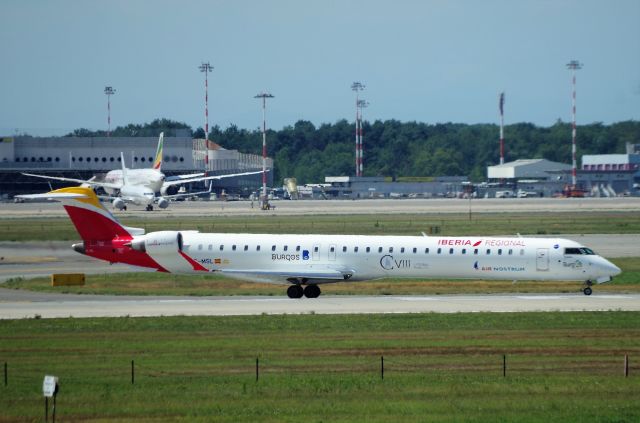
(587, 289)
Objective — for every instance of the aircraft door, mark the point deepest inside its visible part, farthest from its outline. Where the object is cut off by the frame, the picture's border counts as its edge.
(542, 259)
(332, 252)
(315, 255)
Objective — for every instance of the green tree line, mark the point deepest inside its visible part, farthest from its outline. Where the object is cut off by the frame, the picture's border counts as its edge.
(398, 149)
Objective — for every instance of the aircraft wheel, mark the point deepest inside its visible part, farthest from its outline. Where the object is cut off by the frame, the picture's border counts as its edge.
(312, 291)
(587, 291)
(295, 291)
(149, 207)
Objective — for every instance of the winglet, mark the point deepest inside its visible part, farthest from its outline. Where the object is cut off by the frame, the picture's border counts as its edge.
(125, 181)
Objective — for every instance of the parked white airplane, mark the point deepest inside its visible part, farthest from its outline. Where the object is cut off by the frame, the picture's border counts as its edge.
(139, 186)
(306, 261)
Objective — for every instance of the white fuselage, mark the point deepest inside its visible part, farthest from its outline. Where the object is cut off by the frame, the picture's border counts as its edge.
(273, 258)
(148, 178)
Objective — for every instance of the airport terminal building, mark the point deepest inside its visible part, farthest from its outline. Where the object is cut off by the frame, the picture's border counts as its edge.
(82, 158)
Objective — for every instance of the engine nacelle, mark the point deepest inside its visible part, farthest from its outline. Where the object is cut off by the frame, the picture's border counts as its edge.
(163, 203)
(119, 204)
(169, 190)
(158, 242)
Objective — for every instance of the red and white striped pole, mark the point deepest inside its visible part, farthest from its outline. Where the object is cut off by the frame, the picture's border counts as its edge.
(206, 68)
(573, 65)
(264, 96)
(501, 106)
(109, 91)
(357, 86)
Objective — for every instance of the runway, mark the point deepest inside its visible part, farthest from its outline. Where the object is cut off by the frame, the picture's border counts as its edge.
(21, 305)
(339, 207)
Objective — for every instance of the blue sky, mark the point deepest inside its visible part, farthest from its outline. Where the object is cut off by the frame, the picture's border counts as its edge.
(429, 61)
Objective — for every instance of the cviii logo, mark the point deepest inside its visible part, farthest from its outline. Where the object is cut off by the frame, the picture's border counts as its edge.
(389, 263)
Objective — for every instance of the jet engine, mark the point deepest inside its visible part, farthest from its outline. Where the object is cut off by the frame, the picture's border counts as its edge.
(158, 242)
(119, 204)
(169, 190)
(163, 203)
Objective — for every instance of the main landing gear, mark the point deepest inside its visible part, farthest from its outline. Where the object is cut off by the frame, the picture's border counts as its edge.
(149, 207)
(587, 289)
(310, 291)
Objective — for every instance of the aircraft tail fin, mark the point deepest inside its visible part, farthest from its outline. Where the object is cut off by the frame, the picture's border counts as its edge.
(157, 163)
(125, 180)
(91, 219)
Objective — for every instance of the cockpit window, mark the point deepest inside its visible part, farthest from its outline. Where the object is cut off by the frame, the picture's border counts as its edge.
(571, 251)
(581, 250)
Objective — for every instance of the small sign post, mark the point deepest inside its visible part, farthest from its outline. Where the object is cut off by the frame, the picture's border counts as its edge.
(50, 389)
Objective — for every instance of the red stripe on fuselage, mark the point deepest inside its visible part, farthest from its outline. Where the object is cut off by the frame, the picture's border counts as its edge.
(196, 266)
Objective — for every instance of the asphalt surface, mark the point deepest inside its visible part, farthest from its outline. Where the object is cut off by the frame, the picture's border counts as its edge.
(20, 305)
(380, 206)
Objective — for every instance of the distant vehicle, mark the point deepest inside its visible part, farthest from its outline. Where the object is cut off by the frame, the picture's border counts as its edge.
(526, 194)
(504, 194)
(139, 186)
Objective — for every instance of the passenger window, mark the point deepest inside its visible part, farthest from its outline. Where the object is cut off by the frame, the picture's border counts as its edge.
(233, 247)
(297, 248)
(257, 248)
(273, 248)
(286, 247)
(402, 250)
(499, 251)
(488, 251)
(368, 249)
(355, 249)
(344, 249)
(246, 247)
(464, 251)
(391, 249)
(415, 250)
(379, 249)
(510, 251)
(426, 251)
(199, 247)
(439, 250)
(221, 247)
(332, 249)
(210, 247)
(475, 252)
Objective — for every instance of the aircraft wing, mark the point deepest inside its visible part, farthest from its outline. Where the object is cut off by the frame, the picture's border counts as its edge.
(78, 181)
(316, 275)
(50, 196)
(187, 194)
(205, 178)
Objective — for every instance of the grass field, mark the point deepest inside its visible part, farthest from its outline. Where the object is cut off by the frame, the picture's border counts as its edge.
(18, 229)
(564, 367)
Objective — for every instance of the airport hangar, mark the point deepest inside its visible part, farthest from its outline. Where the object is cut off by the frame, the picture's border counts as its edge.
(84, 157)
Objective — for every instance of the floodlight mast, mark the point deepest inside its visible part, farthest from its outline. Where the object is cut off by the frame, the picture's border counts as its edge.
(362, 104)
(573, 65)
(264, 200)
(109, 91)
(206, 68)
(357, 87)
